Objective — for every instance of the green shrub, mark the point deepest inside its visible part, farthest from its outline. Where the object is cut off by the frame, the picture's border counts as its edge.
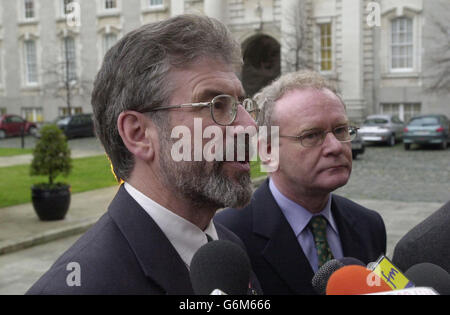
(51, 156)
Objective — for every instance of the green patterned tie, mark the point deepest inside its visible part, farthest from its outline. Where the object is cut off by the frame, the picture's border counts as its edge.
(318, 226)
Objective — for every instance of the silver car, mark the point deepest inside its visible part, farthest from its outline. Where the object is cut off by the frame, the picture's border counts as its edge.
(382, 129)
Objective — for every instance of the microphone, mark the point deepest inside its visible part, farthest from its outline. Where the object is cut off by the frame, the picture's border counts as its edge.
(430, 275)
(320, 279)
(348, 261)
(220, 265)
(355, 280)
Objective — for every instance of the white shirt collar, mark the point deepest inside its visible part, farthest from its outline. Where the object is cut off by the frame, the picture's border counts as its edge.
(186, 237)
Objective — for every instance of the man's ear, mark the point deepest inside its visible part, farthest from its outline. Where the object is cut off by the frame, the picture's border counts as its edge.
(264, 150)
(138, 133)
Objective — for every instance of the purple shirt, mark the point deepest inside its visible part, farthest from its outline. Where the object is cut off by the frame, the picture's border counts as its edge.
(298, 218)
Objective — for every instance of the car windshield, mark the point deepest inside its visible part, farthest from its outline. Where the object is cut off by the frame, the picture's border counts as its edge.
(62, 121)
(375, 121)
(424, 121)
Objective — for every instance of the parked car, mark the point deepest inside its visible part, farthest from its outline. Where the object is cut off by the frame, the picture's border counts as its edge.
(358, 146)
(12, 125)
(79, 125)
(427, 129)
(382, 129)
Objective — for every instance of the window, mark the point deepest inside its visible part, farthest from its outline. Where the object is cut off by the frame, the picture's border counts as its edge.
(155, 3)
(326, 49)
(31, 76)
(69, 59)
(29, 9)
(110, 4)
(404, 111)
(108, 41)
(64, 111)
(402, 44)
(410, 110)
(33, 114)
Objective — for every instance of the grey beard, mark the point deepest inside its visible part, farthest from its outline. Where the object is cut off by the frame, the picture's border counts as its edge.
(204, 182)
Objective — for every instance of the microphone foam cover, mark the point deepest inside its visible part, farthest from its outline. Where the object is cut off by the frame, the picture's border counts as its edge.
(348, 261)
(354, 280)
(320, 279)
(220, 265)
(430, 275)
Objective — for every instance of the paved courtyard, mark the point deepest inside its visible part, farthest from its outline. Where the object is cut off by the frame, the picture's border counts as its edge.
(395, 174)
(88, 144)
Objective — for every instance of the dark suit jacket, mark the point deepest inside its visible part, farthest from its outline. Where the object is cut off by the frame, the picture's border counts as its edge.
(428, 242)
(125, 252)
(277, 257)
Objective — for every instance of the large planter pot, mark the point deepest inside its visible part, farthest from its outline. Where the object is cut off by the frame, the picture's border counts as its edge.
(51, 204)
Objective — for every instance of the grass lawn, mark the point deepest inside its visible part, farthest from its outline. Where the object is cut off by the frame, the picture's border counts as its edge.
(255, 169)
(87, 174)
(14, 151)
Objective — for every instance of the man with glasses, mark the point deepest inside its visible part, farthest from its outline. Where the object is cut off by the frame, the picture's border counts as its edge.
(294, 224)
(159, 77)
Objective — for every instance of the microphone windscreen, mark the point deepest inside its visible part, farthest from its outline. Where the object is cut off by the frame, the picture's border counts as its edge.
(354, 280)
(220, 265)
(348, 261)
(320, 279)
(430, 275)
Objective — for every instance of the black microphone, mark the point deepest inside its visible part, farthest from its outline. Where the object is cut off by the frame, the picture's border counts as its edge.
(430, 275)
(220, 265)
(320, 279)
(351, 261)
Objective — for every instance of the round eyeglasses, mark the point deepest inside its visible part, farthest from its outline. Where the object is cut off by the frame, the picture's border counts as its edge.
(223, 108)
(316, 137)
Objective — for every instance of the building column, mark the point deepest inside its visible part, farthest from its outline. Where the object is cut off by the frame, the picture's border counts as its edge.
(217, 9)
(351, 78)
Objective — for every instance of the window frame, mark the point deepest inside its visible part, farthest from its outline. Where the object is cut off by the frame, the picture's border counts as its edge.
(26, 62)
(330, 48)
(73, 62)
(402, 45)
(24, 10)
(105, 6)
(155, 6)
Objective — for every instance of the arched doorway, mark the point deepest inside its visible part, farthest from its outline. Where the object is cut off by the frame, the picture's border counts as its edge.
(261, 62)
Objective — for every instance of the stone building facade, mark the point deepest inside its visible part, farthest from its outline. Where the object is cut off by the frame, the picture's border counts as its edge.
(384, 55)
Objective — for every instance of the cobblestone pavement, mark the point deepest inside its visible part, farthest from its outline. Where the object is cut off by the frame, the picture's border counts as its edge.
(385, 173)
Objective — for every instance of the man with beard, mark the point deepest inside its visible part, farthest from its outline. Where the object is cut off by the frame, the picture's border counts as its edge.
(294, 224)
(157, 77)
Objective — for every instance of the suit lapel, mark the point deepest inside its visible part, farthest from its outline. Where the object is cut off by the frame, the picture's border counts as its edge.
(158, 258)
(350, 240)
(282, 251)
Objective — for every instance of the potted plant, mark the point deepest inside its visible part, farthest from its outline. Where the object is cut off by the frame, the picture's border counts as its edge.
(51, 157)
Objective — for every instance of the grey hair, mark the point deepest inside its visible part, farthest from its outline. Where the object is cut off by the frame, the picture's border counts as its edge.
(135, 74)
(303, 79)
